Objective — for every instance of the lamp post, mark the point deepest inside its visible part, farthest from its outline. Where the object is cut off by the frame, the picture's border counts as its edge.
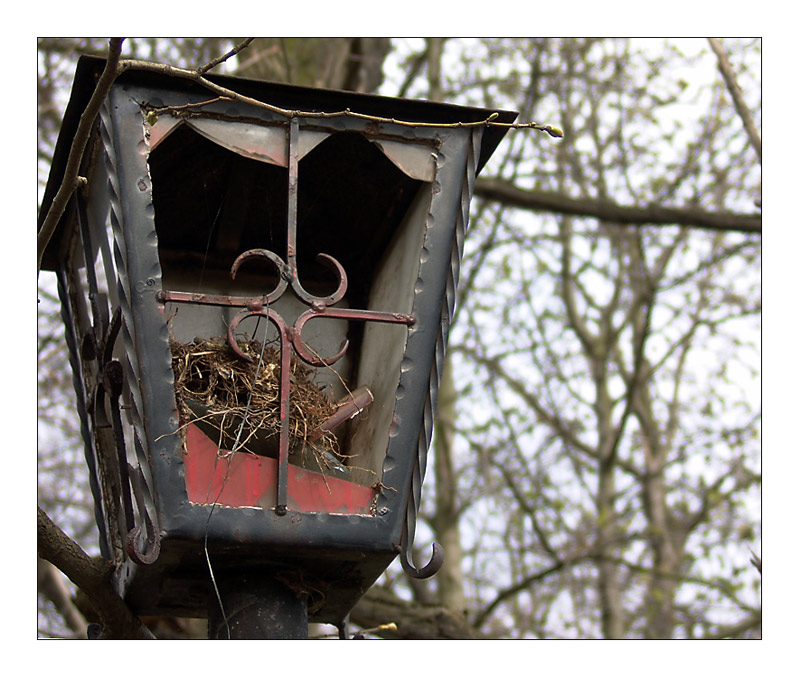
(257, 301)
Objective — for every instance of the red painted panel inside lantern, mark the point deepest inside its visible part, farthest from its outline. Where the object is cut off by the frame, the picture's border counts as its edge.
(246, 480)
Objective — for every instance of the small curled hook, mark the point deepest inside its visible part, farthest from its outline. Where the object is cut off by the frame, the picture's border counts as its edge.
(153, 536)
(147, 557)
(436, 562)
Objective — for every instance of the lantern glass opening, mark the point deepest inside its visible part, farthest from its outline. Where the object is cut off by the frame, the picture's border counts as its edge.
(360, 201)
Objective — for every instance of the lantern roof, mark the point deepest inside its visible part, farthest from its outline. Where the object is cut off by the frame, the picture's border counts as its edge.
(288, 97)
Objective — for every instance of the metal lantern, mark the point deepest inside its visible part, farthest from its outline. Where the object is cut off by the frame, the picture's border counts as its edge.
(257, 294)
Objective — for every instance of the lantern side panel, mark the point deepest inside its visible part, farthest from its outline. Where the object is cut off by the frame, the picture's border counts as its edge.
(383, 346)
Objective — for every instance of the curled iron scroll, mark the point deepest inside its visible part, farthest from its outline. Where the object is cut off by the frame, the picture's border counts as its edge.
(428, 570)
(320, 306)
(152, 548)
(337, 295)
(289, 276)
(284, 276)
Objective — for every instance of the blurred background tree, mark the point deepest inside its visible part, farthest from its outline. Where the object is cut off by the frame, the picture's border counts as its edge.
(596, 467)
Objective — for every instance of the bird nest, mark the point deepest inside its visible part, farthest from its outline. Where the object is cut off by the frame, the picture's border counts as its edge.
(237, 402)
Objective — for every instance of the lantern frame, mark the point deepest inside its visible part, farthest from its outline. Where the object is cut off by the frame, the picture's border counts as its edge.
(160, 541)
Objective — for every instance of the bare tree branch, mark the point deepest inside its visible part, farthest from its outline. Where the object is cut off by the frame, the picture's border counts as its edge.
(735, 629)
(379, 607)
(51, 584)
(736, 94)
(413, 71)
(653, 215)
(92, 576)
(71, 179)
(216, 62)
(528, 581)
(226, 93)
(755, 561)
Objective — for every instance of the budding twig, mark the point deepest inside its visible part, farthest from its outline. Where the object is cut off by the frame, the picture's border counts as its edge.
(216, 62)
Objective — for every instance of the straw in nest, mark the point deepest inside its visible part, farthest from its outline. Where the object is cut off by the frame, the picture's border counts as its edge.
(216, 390)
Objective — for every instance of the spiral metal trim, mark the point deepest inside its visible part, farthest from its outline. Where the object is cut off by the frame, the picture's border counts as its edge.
(426, 429)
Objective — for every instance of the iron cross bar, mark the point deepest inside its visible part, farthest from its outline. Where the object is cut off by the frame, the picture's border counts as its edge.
(290, 336)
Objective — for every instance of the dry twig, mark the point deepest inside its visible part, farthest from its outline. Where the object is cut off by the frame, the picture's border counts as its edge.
(729, 76)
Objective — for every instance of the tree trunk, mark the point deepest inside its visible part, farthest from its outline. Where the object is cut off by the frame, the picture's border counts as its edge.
(608, 583)
(354, 64)
(666, 543)
(608, 580)
(435, 46)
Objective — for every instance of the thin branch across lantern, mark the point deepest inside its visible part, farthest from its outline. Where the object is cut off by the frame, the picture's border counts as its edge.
(290, 336)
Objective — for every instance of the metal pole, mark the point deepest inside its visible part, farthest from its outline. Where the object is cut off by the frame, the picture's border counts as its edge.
(256, 606)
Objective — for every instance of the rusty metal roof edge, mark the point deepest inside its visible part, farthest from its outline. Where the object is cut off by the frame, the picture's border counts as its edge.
(297, 97)
(420, 110)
